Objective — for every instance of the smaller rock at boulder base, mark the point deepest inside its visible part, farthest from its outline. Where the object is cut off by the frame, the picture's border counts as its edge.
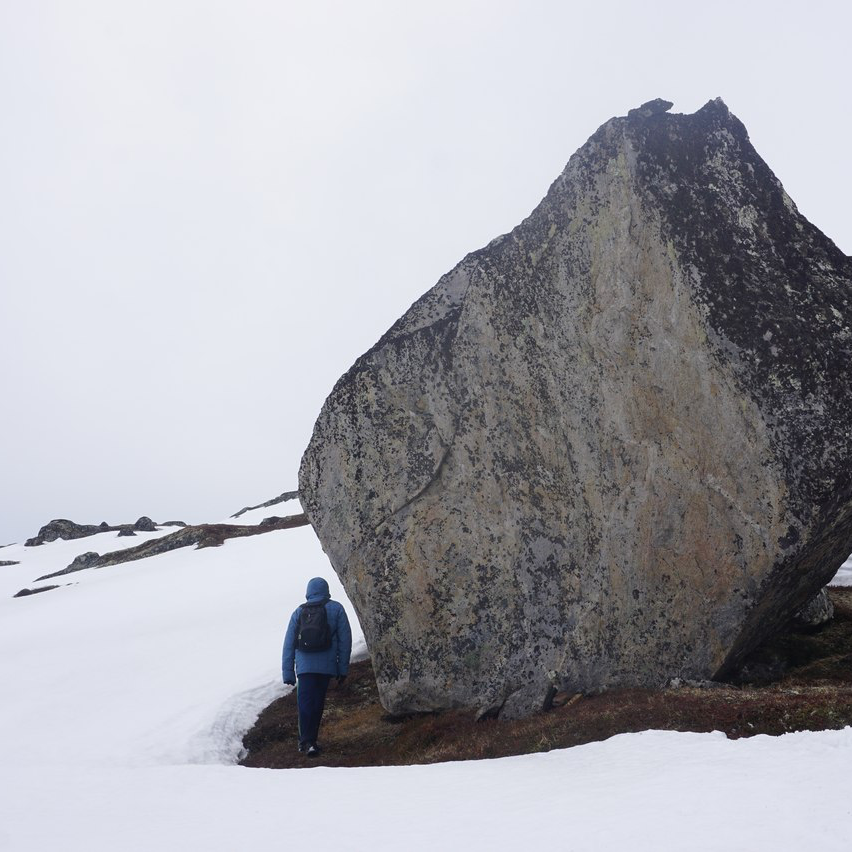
(817, 611)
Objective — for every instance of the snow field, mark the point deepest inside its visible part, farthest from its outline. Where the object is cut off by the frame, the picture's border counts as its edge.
(125, 695)
(650, 791)
(143, 662)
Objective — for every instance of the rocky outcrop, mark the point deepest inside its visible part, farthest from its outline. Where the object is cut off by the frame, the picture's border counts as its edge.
(64, 529)
(281, 498)
(25, 593)
(610, 448)
(68, 530)
(83, 561)
(200, 535)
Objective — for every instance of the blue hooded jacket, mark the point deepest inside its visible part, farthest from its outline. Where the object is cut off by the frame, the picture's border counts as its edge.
(334, 661)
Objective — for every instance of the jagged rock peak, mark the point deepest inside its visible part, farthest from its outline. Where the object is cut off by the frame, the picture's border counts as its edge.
(649, 108)
(611, 447)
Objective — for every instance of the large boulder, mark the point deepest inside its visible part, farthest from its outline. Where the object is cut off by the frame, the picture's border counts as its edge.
(612, 447)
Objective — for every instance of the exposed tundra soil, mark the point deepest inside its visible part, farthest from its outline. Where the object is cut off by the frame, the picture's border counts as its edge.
(798, 681)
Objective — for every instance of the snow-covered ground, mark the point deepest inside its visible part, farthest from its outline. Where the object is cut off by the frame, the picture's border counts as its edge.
(844, 576)
(125, 694)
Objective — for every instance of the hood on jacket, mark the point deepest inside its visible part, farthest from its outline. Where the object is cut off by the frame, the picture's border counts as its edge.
(317, 591)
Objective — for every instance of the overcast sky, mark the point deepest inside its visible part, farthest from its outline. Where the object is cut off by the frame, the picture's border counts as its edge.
(208, 210)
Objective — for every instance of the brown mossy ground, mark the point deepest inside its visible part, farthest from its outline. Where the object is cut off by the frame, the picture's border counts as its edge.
(799, 681)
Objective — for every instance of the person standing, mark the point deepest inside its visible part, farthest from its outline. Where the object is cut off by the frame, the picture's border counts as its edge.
(317, 647)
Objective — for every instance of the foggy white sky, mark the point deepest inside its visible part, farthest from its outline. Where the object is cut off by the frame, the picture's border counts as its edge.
(208, 210)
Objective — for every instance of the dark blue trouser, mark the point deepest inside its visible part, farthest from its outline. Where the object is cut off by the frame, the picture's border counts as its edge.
(310, 695)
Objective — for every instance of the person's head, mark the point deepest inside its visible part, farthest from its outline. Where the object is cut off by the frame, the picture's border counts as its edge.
(317, 591)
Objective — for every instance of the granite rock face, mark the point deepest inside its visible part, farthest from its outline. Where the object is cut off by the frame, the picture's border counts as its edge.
(610, 448)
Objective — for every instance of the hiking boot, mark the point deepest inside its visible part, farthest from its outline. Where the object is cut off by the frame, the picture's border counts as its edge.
(303, 747)
(314, 750)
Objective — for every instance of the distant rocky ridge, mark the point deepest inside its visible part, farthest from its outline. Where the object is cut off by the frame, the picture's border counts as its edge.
(281, 498)
(68, 530)
(61, 528)
(200, 535)
(25, 593)
(611, 448)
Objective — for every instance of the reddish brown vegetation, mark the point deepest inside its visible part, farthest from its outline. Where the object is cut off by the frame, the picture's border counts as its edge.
(814, 692)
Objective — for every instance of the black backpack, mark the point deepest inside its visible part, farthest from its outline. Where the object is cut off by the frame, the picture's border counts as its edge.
(313, 632)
